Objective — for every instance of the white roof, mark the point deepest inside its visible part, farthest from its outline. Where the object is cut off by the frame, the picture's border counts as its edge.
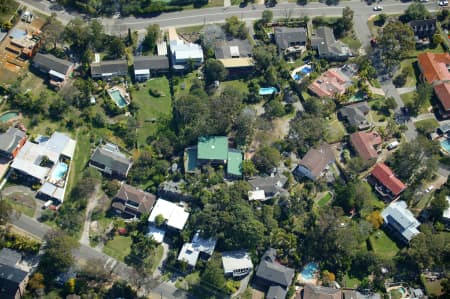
(142, 72)
(156, 233)
(235, 260)
(256, 195)
(404, 220)
(29, 168)
(446, 213)
(188, 254)
(175, 215)
(234, 51)
(52, 191)
(162, 48)
(183, 50)
(56, 74)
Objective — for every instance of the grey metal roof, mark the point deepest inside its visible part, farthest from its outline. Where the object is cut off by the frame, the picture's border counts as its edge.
(276, 292)
(111, 159)
(274, 272)
(355, 114)
(9, 257)
(270, 184)
(10, 139)
(109, 66)
(284, 36)
(326, 44)
(400, 218)
(229, 48)
(151, 63)
(10, 279)
(50, 62)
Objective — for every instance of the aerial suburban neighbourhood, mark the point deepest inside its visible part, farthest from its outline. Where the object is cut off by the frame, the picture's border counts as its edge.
(278, 149)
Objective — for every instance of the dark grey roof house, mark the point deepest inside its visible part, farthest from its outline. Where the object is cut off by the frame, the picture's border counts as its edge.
(276, 292)
(271, 185)
(423, 28)
(233, 48)
(9, 257)
(12, 282)
(327, 46)
(109, 68)
(131, 202)
(58, 69)
(11, 141)
(271, 274)
(109, 160)
(355, 115)
(144, 66)
(286, 37)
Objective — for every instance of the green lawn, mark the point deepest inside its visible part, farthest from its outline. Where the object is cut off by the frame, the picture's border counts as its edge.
(335, 131)
(433, 288)
(151, 108)
(409, 97)
(409, 66)
(352, 41)
(382, 245)
(427, 126)
(155, 259)
(236, 84)
(81, 157)
(350, 282)
(22, 204)
(118, 248)
(324, 200)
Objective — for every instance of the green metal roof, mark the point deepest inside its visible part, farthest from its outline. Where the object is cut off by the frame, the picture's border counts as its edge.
(234, 165)
(213, 148)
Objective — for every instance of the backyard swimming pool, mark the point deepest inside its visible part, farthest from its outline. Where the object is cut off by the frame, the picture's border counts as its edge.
(309, 270)
(60, 171)
(445, 144)
(5, 117)
(118, 98)
(267, 90)
(302, 72)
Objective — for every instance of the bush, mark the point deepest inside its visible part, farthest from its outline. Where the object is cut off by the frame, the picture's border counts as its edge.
(400, 80)
(154, 92)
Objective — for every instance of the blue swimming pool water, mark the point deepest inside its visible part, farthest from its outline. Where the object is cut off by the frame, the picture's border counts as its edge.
(445, 144)
(267, 90)
(303, 72)
(118, 98)
(5, 117)
(60, 171)
(309, 270)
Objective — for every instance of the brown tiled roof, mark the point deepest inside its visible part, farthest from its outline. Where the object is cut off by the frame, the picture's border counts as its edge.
(434, 66)
(138, 201)
(364, 144)
(317, 159)
(443, 93)
(386, 177)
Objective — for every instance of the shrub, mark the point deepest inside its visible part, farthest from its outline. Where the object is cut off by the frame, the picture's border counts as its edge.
(154, 92)
(400, 80)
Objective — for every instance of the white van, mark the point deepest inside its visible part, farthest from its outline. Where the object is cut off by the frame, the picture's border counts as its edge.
(393, 145)
(47, 204)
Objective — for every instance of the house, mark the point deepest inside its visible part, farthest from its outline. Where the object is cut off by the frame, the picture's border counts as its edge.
(385, 182)
(109, 160)
(131, 202)
(423, 29)
(320, 292)
(145, 66)
(291, 40)
(12, 282)
(175, 216)
(173, 191)
(366, 144)
(327, 46)
(400, 221)
(11, 142)
(10, 257)
(184, 54)
(213, 150)
(273, 276)
(332, 83)
(105, 70)
(235, 54)
(46, 162)
(237, 263)
(266, 187)
(355, 115)
(58, 70)
(435, 69)
(315, 162)
(198, 248)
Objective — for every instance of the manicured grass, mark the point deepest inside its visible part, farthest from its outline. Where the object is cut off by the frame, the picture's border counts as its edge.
(408, 64)
(237, 85)
(183, 84)
(352, 41)
(80, 159)
(351, 282)
(151, 108)
(382, 245)
(335, 131)
(22, 204)
(432, 288)
(324, 200)
(427, 125)
(187, 282)
(409, 97)
(118, 248)
(155, 258)
(415, 53)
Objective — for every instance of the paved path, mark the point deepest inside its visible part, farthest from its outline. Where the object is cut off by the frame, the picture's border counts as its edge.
(404, 90)
(423, 116)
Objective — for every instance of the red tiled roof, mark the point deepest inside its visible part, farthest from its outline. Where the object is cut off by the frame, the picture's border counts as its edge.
(434, 66)
(443, 93)
(364, 143)
(329, 84)
(386, 177)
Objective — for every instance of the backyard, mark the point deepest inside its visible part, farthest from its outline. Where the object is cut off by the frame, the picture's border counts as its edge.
(409, 97)
(118, 248)
(335, 131)
(324, 199)
(433, 288)
(154, 101)
(382, 245)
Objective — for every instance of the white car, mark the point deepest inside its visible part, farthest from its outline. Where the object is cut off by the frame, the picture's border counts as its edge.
(429, 189)
(443, 3)
(378, 8)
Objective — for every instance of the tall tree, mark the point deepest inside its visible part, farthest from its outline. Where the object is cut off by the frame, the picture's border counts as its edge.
(5, 211)
(395, 41)
(415, 11)
(151, 38)
(214, 71)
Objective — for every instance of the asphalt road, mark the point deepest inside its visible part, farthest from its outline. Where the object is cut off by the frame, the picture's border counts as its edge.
(219, 14)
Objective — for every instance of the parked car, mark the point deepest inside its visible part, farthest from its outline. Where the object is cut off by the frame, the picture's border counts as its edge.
(378, 8)
(393, 145)
(47, 204)
(429, 189)
(443, 3)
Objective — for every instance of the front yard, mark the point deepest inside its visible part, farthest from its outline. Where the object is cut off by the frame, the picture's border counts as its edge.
(382, 245)
(118, 248)
(22, 203)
